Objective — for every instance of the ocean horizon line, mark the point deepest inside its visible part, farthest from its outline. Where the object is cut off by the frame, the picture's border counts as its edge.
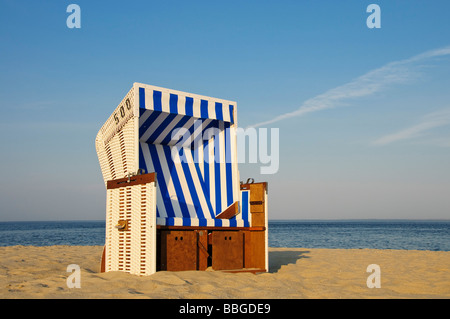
(419, 234)
(270, 220)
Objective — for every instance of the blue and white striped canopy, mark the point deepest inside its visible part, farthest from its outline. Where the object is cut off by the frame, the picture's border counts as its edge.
(190, 142)
(192, 106)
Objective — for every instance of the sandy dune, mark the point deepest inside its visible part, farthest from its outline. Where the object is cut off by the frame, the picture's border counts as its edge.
(41, 272)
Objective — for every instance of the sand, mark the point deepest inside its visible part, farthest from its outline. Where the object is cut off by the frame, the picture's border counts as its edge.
(41, 272)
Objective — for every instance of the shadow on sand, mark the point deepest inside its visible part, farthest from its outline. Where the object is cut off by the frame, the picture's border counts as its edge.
(285, 257)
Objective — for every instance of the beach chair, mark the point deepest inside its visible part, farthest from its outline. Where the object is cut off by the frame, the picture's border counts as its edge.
(174, 200)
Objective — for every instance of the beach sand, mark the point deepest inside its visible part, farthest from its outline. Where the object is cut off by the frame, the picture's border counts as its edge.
(41, 272)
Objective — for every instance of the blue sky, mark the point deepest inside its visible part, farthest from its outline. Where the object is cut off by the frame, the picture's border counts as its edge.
(384, 154)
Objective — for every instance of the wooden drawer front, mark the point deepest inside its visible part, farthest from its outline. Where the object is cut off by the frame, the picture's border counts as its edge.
(178, 250)
(227, 250)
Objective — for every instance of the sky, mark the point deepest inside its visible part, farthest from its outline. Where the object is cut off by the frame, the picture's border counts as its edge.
(363, 113)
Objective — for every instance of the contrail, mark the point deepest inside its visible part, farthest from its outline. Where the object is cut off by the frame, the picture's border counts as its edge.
(430, 121)
(372, 82)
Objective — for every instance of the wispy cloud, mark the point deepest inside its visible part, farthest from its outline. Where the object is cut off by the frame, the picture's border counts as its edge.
(430, 121)
(374, 81)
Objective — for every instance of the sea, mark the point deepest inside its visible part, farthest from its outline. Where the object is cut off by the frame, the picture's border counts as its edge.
(346, 234)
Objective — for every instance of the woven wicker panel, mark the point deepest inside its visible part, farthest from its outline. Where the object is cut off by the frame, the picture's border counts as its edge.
(116, 141)
(133, 248)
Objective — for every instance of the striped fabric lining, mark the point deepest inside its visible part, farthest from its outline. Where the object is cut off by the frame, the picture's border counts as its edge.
(196, 177)
(159, 128)
(183, 196)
